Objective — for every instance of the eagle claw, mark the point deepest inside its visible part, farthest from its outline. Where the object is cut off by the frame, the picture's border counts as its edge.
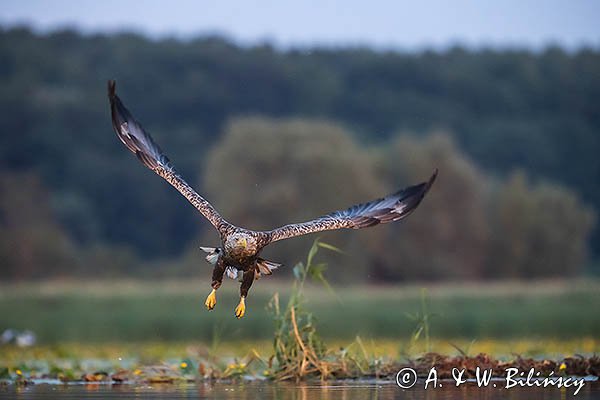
(211, 300)
(240, 310)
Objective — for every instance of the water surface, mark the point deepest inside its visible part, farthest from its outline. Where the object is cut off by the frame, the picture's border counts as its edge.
(303, 391)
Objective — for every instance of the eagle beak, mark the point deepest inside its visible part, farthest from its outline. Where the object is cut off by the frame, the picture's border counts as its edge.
(244, 242)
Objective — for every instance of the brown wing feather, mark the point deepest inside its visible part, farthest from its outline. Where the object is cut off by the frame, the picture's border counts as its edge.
(390, 208)
(133, 136)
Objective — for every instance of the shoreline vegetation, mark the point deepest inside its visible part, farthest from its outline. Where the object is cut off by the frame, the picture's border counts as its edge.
(353, 362)
(297, 351)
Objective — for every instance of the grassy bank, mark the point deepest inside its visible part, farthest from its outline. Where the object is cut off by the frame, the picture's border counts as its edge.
(126, 311)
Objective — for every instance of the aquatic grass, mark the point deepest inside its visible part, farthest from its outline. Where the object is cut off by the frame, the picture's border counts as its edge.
(298, 349)
(422, 320)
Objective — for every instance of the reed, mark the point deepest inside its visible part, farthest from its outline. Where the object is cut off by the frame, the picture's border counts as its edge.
(298, 349)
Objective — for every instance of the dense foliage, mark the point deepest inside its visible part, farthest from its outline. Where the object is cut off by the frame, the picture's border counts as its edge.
(506, 110)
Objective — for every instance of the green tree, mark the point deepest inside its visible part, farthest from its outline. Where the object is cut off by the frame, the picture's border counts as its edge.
(447, 236)
(266, 173)
(32, 244)
(537, 231)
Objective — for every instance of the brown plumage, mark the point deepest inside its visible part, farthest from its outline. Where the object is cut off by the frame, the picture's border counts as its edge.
(240, 248)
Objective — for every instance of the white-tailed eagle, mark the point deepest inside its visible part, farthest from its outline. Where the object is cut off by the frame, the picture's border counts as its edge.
(240, 248)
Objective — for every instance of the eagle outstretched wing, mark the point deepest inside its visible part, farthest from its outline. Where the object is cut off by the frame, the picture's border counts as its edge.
(390, 208)
(141, 144)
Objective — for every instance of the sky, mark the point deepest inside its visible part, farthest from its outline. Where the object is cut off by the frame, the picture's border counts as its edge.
(384, 24)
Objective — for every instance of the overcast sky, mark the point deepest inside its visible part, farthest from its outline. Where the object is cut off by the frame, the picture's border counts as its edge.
(385, 24)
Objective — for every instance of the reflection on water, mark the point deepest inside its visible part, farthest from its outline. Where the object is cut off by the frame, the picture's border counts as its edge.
(303, 391)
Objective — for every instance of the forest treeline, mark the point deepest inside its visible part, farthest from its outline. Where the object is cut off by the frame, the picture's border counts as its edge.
(514, 133)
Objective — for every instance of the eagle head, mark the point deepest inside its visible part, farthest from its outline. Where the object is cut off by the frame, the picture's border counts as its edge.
(241, 244)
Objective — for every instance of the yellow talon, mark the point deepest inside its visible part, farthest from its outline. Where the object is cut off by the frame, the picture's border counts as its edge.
(240, 310)
(211, 300)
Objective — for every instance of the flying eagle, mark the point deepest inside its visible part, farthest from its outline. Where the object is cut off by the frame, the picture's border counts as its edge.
(240, 247)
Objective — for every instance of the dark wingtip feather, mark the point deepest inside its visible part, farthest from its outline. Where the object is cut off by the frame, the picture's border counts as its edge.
(112, 89)
(413, 195)
(131, 133)
(138, 141)
(418, 190)
(432, 178)
(409, 198)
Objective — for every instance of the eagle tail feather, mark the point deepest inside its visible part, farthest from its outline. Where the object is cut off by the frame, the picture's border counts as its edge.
(265, 267)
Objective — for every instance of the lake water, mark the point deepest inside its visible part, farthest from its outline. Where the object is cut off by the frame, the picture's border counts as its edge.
(303, 391)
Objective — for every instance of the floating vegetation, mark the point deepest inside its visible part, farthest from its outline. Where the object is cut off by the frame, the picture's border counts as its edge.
(348, 363)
